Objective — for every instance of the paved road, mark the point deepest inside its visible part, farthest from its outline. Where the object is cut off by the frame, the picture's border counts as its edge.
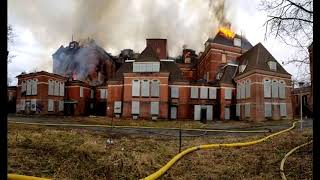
(166, 132)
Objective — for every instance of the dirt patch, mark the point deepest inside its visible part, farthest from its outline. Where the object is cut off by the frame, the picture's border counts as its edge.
(80, 154)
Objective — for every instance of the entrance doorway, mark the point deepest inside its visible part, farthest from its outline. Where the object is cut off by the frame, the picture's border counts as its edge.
(203, 115)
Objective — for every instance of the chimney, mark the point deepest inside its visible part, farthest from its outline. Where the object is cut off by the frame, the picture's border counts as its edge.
(159, 46)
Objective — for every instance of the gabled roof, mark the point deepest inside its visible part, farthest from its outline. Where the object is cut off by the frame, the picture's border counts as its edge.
(148, 55)
(228, 74)
(258, 58)
(221, 39)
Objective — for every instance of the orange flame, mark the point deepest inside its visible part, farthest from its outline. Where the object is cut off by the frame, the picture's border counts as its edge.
(226, 32)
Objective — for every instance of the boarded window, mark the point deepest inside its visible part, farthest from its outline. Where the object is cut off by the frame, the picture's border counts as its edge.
(155, 87)
(194, 92)
(267, 110)
(91, 94)
(29, 86)
(247, 110)
(283, 109)
(173, 112)
(282, 89)
(154, 108)
(135, 88)
(23, 105)
(227, 113)
(174, 92)
(34, 87)
(248, 88)
(272, 65)
(51, 87)
(33, 104)
(56, 88)
(242, 90)
(275, 88)
(61, 105)
(23, 87)
(227, 93)
(102, 94)
(50, 105)
(156, 67)
(197, 112)
(136, 67)
(145, 88)
(209, 112)
(117, 107)
(267, 88)
(81, 91)
(204, 92)
(146, 67)
(135, 108)
(61, 88)
(238, 91)
(212, 93)
(238, 110)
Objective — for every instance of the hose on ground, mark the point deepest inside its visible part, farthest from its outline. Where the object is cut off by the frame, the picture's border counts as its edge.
(283, 176)
(176, 158)
(22, 177)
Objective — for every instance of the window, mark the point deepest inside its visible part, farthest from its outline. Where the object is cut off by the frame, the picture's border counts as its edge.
(50, 105)
(174, 92)
(194, 92)
(117, 107)
(272, 65)
(145, 88)
(155, 87)
(247, 110)
(154, 108)
(227, 93)
(204, 92)
(219, 75)
(23, 86)
(81, 91)
(61, 105)
(224, 58)
(238, 91)
(33, 104)
(248, 88)
(267, 110)
(146, 67)
(23, 105)
(212, 93)
(282, 89)
(275, 89)
(61, 88)
(102, 94)
(34, 87)
(135, 88)
(91, 94)
(237, 42)
(283, 109)
(267, 88)
(242, 90)
(50, 87)
(238, 110)
(135, 108)
(56, 88)
(155, 67)
(242, 68)
(29, 86)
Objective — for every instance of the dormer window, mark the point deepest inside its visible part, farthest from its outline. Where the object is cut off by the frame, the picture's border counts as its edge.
(237, 42)
(242, 68)
(219, 75)
(207, 44)
(272, 65)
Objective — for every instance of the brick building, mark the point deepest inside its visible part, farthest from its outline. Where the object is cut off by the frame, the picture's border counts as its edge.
(40, 93)
(229, 80)
(12, 99)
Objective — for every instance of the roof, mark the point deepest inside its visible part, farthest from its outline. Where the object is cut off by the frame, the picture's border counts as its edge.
(228, 74)
(165, 66)
(220, 39)
(40, 73)
(148, 55)
(258, 58)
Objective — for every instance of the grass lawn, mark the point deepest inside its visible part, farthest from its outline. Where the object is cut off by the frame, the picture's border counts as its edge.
(81, 154)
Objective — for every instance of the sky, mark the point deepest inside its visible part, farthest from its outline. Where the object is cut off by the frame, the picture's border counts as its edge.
(45, 25)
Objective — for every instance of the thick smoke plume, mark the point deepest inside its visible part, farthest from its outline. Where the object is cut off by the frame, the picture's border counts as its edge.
(120, 24)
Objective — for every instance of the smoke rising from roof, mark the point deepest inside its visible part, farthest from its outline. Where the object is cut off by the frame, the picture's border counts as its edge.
(119, 24)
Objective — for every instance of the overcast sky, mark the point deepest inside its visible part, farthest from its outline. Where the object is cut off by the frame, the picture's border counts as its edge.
(36, 23)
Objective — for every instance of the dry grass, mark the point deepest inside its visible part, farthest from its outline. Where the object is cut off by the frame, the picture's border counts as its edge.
(81, 154)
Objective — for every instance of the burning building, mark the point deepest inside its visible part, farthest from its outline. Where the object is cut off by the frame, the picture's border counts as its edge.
(85, 62)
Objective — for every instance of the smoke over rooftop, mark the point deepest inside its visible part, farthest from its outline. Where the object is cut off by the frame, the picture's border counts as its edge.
(119, 24)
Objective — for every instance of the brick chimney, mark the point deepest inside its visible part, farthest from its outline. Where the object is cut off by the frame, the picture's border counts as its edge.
(159, 46)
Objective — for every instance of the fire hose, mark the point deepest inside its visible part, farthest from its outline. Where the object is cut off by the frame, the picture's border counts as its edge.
(176, 158)
(283, 176)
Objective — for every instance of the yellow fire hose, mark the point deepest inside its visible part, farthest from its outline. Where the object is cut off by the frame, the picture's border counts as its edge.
(22, 177)
(165, 168)
(283, 176)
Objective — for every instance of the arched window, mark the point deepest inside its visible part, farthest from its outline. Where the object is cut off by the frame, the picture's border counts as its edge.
(243, 90)
(248, 88)
(275, 88)
(56, 88)
(23, 86)
(50, 87)
(282, 89)
(29, 86)
(267, 88)
(155, 88)
(34, 87)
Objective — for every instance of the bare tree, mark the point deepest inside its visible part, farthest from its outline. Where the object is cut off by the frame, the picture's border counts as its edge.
(292, 22)
(10, 38)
